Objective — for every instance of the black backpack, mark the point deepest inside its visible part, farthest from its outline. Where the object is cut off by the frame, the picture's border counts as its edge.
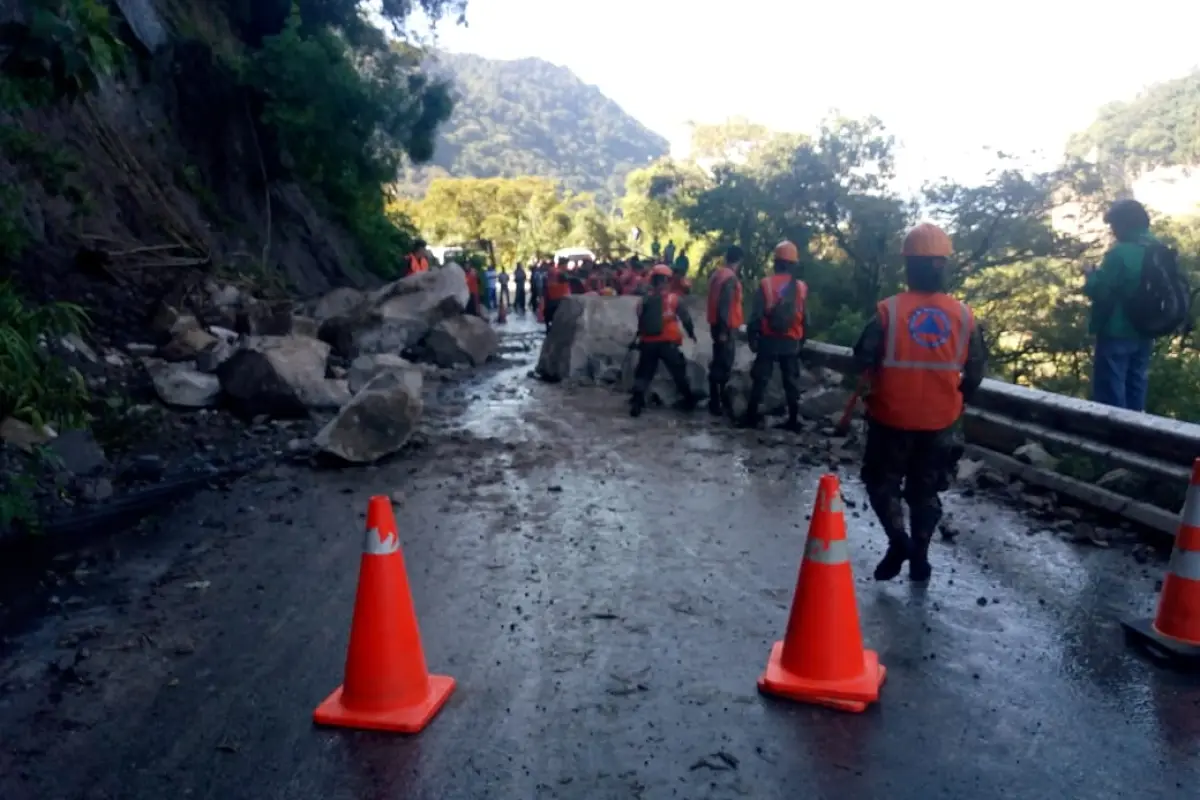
(783, 313)
(1161, 304)
(650, 317)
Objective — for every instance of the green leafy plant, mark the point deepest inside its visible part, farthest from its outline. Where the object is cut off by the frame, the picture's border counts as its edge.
(17, 506)
(61, 50)
(35, 384)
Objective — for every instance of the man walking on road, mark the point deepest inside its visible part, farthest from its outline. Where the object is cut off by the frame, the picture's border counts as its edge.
(776, 334)
(661, 313)
(724, 318)
(924, 356)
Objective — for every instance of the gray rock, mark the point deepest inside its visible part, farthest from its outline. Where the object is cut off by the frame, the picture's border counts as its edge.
(377, 422)
(464, 339)
(78, 453)
(182, 385)
(364, 368)
(281, 376)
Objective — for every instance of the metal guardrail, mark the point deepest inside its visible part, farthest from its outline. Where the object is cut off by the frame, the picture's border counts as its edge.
(1003, 416)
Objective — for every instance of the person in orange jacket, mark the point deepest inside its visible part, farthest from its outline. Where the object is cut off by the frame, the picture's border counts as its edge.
(556, 289)
(472, 289)
(724, 318)
(662, 319)
(776, 333)
(679, 280)
(924, 356)
(417, 260)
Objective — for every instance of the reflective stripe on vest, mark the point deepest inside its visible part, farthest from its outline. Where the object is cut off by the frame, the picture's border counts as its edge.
(960, 352)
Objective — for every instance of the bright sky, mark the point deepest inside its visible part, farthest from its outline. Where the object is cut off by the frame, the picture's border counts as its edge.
(947, 78)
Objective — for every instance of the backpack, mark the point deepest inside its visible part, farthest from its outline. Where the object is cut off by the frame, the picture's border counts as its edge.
(783, 313)
(650, 315)
(1161, 303)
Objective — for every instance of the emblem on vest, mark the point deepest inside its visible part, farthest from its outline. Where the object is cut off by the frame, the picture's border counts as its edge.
(929, 327)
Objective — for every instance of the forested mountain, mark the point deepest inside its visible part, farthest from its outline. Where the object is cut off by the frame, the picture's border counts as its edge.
(532, 118)
(1158, 128)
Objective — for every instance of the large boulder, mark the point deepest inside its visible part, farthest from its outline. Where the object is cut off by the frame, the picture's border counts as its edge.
(400, 314)
(378, 421)
(465, 339)
(589, 339)
(282, 376)
(340, 301)
(365, 368)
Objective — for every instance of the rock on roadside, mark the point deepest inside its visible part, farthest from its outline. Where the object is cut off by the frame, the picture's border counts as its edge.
(464, 339)
(182, 385)
(281, 376)
(378, 421)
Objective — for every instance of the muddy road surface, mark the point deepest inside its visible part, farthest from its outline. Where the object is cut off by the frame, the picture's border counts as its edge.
(606, 591)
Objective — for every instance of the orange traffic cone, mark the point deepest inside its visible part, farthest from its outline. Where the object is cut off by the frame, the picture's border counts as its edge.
(387, 686)
(821, 659)
(502, 313)
(1175, 630)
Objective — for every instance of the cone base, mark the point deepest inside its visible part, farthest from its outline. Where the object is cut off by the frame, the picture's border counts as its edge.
(853, 694)
(408, 719)
(1171, 650)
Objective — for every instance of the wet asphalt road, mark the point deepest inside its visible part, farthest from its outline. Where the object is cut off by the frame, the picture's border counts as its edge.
(606, 591)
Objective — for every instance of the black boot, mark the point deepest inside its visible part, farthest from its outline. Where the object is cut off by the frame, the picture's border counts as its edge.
(714, 398)
(636, 404)
(793, 421)
(750, 419)
(899, 549)
(688, 402)
(727, 400)
(919, 570)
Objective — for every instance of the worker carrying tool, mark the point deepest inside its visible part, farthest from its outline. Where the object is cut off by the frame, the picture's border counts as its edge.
(724, 318)
(924, 356)
(662, 318)
(776, 333)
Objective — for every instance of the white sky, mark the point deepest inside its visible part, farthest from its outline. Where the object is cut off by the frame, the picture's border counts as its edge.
(947, 78)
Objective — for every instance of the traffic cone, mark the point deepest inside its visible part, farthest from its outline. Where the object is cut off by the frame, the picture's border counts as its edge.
(502, 313)
(821, 659)
(1175, 631)
(387, 686)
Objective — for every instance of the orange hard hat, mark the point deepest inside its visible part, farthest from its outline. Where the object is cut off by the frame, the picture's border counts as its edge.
(661, 270)
(927, 241)
(786, 251)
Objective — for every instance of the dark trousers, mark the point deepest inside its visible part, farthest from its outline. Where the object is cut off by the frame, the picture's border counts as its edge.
(551, 308)
(785, 353)
(520, 303)
(671, 356)
(913, 466)
(723, 353)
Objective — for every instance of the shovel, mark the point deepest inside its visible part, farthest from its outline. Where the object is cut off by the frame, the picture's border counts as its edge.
(843, 424)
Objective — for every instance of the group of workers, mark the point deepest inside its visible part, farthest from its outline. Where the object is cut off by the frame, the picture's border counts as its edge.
(921, 356)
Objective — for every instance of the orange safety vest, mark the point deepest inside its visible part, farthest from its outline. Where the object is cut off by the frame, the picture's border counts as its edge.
(556, 285)
(916, 387)
(772, 288)
(681, 285)
(472, 283)
(715, 284)
(417, 263)
(671, 330)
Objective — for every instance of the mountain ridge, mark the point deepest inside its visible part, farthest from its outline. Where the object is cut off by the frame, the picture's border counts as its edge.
(528, 116)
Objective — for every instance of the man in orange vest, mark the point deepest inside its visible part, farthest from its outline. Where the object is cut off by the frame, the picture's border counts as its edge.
(724, 318)
(472, 289)
(556, 289)
(924, 355)
(776, 333)
(662, 319)
(417, 260)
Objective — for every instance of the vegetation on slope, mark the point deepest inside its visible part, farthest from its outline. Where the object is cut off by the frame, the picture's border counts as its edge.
(532, 118)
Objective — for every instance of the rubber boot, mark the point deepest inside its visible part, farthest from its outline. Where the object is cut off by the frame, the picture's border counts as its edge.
(899, 549)
(919, 570)
(688, 402)
(793, 421)
(636, 403)
(714, 398)
(750, 419)
(727, 401)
